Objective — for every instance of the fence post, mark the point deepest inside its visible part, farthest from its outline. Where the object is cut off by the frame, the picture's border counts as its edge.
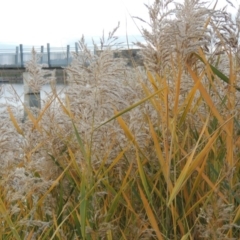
(31, 97)
(68, 49)
(16, 57)
(21, 54)
(48, 53)
(95, 50)
(76, 47)
(42, 50)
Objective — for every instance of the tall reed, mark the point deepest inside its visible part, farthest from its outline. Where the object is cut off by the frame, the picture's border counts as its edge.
(133, 152)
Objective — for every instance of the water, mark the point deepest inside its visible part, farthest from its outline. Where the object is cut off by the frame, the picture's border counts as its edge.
(13, 94)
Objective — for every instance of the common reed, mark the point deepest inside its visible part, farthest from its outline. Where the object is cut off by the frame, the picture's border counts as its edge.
(132, 152)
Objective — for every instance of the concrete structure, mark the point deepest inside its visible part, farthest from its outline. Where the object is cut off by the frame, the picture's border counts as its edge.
(31, 97)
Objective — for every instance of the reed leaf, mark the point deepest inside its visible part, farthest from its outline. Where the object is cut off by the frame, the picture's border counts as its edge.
(150, 214)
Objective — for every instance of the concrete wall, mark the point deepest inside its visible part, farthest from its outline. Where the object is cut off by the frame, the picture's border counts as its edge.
(16, 75)
(132, 56)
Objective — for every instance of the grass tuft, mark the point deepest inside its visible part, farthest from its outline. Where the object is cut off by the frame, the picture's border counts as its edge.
(147, 152)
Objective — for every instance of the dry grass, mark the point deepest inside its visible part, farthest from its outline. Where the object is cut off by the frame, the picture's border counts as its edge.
(133, 153)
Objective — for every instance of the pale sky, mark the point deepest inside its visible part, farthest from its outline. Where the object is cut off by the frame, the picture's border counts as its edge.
(58, 22)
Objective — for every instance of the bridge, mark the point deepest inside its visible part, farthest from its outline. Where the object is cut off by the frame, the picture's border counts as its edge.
(51, 57)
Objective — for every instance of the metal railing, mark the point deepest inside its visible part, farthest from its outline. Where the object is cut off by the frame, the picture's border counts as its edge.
(50, 57)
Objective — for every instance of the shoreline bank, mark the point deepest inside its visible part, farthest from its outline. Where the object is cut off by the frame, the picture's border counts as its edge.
(11, 76)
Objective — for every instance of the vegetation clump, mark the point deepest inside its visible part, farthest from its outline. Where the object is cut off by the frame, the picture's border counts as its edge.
(133, 152)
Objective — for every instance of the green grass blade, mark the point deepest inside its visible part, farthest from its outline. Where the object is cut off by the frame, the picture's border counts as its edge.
(143, 178)
(79, 139)
(216, 71)
(83, 208)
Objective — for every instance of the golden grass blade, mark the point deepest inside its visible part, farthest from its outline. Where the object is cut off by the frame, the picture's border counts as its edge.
(237, 216)
(129, 205)
(14, 121)
(186, 236)
(184, 175)
(200, 157)
(125, 128)
(7, 217)
(197, 104)
(214, 186)
(159, 153)
(150, 215)
(156, 104)
(214, 189)
(152, 80)
(47, 105)
(140, 164)
(207, 98)
(30, 235)
(123, 235)
(29, 154)
(56, 225)
(187, 103)
(67, 109)
(33, 120)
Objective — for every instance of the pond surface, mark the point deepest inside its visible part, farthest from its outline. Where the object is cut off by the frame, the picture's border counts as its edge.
(13, 94)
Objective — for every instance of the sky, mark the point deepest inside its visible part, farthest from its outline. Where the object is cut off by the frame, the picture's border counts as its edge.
(61, 22)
